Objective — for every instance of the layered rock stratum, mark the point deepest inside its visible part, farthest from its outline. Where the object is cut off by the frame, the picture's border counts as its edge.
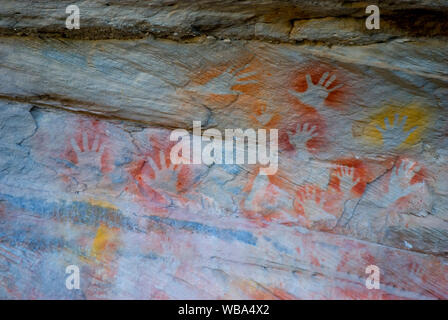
(86, 178)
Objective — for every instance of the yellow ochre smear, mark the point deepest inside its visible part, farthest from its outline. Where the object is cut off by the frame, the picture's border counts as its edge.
(415, 118)
(103, 204)
(105, 242)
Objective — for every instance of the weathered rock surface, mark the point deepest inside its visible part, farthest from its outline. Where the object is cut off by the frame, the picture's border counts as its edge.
(265, 19)
(85, 175)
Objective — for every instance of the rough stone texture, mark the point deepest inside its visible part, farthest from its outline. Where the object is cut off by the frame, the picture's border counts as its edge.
(267, 19)
(363, 149)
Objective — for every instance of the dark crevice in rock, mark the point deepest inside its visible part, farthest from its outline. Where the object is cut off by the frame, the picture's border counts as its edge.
(274, 21)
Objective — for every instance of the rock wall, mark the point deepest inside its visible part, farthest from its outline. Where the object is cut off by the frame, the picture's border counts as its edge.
(86, 177)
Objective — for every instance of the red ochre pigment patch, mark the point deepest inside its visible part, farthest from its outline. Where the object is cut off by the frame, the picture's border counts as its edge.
(336, 99)
(306, 116)
(142, 171)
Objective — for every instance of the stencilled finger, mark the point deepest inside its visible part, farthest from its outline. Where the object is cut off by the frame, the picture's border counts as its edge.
(152, 165)
(330, 81)
(410, 167)
(412, 130)
(246, 75)
(387, 123)
(335, 88)
(403, 121)
(295, 93)
(406, 169)
(228, 70)
(348, 172)
(171, 166)
(237, 70)
(302, 194)
(100, 150)
(401, 168)
(75, 146)
(380, 129)
(96, 142)
(323, 78)
(305, 128)
(310, 130)
(85, 141)
(309, 81)
(145, 176)
(246, 82)
(162, 160)
(315, 197)
(396, 122)
(416, 168)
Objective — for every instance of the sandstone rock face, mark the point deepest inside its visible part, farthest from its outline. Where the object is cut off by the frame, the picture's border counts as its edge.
(86, 177)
